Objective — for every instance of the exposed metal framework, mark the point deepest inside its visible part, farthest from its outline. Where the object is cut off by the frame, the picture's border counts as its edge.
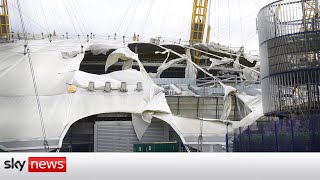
(4, 20)
(198, 23)
(199, 16)
(311, 15)
(289, 36)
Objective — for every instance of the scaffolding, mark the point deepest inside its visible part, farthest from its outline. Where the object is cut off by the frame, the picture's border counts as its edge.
(4, 20)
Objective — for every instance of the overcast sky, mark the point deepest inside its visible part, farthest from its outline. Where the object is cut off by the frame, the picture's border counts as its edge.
(233, 21)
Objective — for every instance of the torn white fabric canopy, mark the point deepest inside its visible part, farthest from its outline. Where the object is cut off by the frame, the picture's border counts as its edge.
(217, 62)
(54, 74)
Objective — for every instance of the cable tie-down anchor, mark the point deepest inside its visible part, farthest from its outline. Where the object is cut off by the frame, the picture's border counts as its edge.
(91, 86)
(82, 49)
(107, 87)
(46, 145)
(139, 86)
(25, 49)
(50, 37)
(123, 87)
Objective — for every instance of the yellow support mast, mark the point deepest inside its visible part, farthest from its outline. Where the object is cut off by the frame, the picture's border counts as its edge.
(4, 20)
(198, 23)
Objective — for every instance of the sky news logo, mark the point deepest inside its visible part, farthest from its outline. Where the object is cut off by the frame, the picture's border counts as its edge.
(38, 164)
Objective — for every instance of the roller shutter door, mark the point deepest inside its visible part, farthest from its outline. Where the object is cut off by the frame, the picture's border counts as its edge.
(119, 136)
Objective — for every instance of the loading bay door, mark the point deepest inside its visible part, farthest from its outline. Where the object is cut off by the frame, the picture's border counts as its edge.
(119, 136)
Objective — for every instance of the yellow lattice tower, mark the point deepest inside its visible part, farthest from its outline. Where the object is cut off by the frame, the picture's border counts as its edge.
(198, 24)
(4, 20)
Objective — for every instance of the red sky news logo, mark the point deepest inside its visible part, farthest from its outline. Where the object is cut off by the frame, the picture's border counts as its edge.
(38, 164)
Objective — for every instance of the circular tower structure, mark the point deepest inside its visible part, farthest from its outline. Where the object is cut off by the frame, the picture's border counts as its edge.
(289, 38)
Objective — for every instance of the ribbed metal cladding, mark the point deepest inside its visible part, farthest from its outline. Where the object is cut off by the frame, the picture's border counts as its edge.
(289, 40)
(120, 136)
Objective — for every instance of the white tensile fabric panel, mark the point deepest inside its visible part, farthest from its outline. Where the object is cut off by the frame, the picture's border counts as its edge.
(227, 101)
(124, 54)
(189, 129)
(130, 76)
(217, 62)
(248, 120)
(250, 75)
(127, 65)
(251, 57)
(254, 103)
(166, 65)
(102, 48)
(20, 117)
(48, 65)
(82, 79)
(20, 126)
(191, 71)
(140, 126)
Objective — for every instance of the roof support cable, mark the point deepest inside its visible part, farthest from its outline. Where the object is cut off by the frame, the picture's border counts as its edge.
(218, 29)
(27, 50)
(125, 14)
(133, 16)
(45, 18)
(241, 26)
(25, 15)
(70, 18)
(78, 15)
(84, 18)
(229, 20)
(147, 18)
(75, 16)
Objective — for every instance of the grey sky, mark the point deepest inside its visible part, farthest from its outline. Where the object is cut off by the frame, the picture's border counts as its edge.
(169, 19)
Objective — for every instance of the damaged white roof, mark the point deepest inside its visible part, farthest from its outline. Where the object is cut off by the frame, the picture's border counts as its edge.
(56, 67)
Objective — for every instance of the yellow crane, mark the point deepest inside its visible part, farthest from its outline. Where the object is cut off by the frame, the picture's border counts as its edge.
(198, 25)
(4, 20)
